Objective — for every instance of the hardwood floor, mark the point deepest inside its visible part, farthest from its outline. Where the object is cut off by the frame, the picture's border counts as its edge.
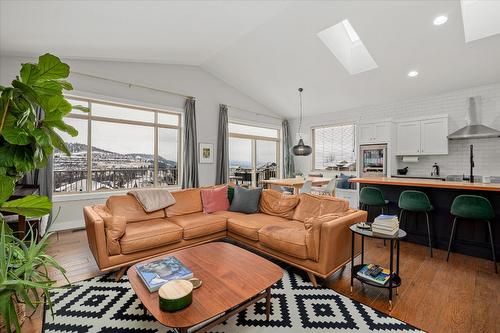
(462, 295)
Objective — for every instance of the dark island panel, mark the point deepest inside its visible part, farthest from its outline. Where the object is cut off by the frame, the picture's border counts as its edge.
(471, 236)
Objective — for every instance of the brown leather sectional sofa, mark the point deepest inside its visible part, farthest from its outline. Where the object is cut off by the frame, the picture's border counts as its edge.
(308, 231)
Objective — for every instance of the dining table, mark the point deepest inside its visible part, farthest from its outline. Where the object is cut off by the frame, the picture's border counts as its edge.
(296, 183)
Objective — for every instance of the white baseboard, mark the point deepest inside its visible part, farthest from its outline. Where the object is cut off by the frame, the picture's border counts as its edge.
(67, 225)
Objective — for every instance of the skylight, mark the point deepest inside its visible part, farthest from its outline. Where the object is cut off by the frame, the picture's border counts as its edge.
(480, 19)
(344, 42)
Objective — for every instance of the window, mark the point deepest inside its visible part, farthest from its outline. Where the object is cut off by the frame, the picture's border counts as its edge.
(334, 148)
(253, 153)
(118, 147)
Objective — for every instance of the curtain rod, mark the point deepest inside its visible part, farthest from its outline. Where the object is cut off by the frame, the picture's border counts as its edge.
(256, 113)
(130, 85)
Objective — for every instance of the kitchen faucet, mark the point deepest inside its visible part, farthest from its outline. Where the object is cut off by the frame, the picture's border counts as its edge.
(471, 179)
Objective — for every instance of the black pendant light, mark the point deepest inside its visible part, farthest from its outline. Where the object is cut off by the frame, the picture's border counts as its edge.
(301, 149)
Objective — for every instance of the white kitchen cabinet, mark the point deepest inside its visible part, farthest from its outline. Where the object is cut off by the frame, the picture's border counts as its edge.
(374, 133)
(408, 138)
(422, 137)
(434, 136)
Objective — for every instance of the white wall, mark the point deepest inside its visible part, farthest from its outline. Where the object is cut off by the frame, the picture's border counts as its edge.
(189, 80)
(455, 103)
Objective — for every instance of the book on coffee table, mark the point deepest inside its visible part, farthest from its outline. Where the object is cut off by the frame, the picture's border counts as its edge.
(156, 273)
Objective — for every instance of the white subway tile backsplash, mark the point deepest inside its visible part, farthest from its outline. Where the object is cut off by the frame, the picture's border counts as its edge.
(455, 104)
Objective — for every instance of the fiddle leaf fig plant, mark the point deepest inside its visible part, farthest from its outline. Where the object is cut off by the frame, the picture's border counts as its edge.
(32, 111)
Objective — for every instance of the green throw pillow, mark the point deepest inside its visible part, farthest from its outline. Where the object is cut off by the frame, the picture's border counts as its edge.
(230, 194)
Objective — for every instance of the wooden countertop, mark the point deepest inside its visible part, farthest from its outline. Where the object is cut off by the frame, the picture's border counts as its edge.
(427, 183)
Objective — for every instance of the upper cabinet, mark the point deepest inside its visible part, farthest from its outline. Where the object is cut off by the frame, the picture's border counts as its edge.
(374, 133)
(423, 137)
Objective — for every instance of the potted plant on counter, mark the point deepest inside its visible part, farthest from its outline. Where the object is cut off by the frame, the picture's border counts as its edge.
(31, 110)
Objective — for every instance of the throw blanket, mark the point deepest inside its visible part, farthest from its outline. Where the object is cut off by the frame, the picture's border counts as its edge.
(153, 199)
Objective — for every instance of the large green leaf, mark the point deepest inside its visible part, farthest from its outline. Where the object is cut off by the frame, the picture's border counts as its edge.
(57, 141)
(51, 67)
(61, 125)
(23, 159)
(16, 136)
(6, 156)
(30, 206)
(29, 73)
(42, 137)
(48, 88)
(6, 187)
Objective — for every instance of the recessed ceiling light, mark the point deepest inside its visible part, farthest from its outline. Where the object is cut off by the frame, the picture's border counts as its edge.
(440, 20)
(412, 73)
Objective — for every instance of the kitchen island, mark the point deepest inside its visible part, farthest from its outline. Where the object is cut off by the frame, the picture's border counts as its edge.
(471, 236)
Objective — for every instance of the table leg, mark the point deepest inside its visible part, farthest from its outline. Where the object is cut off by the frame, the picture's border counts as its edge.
(397, 257)
(21, 222)
(296, 190)
(352, 260)
(182, 330)
(391, 264)
(268, 303)
(362, 249)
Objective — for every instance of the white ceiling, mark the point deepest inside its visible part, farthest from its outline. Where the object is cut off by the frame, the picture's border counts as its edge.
(267, 49)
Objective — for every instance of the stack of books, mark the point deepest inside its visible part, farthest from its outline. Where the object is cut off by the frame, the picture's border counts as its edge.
(381, 278)
(386, 225)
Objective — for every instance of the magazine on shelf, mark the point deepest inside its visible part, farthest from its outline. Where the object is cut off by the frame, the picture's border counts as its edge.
(156, 273)
(380, 279)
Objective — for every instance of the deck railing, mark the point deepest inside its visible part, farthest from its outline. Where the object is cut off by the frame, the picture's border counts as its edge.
(112, 179)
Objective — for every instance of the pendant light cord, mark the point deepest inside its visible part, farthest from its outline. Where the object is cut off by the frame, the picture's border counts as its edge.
(300, 112)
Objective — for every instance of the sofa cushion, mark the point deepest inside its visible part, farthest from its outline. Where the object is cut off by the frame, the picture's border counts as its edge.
(276, 203)
(115, 228)
(214, 199)
(288, 238)
(229, 214)
(186, 202)
(245, 200)
(311, 205)
(128, 206)
(150, 234)
(199, 224)
(248, 225)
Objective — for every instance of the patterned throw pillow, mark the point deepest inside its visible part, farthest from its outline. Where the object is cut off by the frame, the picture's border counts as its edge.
(245, 200)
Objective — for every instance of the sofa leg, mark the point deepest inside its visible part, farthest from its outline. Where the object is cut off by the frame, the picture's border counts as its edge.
(119, 273)
(313, 279)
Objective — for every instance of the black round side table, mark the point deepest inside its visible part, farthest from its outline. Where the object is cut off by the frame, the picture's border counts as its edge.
(395, 280)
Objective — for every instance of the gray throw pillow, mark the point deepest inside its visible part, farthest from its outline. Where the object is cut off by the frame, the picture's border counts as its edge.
(245, 200)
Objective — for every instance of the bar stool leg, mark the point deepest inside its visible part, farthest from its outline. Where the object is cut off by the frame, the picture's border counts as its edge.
(383, 213)
(492, 247)
(453, 230)
(429, 232)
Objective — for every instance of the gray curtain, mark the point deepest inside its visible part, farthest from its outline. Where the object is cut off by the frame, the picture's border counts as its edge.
(222, 172)
(190, 157)
(288, 166)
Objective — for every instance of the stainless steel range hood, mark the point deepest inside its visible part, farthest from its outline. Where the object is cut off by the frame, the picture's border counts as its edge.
(474, 129)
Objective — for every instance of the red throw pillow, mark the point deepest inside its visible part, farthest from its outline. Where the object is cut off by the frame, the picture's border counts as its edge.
(214, 199)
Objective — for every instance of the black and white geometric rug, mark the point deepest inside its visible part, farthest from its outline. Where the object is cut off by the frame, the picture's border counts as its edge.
(101, 305)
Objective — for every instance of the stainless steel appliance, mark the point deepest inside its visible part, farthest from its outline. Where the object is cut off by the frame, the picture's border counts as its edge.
(373, 160)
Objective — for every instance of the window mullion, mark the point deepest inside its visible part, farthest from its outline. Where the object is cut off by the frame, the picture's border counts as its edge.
(155, 156)
(89, 147)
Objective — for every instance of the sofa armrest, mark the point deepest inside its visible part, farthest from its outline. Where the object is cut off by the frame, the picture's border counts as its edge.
(94, 225)
(335, 241)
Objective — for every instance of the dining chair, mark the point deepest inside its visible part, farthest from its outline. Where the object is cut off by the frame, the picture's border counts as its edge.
(329, 189)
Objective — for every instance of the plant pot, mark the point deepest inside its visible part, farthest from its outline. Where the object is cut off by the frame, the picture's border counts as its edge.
(21, 316)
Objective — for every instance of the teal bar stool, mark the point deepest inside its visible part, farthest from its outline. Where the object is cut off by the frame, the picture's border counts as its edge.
(373, 197)
(472, 207)
(417, 202)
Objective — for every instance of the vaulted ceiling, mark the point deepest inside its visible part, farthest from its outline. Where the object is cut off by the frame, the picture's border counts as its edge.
(266, 49)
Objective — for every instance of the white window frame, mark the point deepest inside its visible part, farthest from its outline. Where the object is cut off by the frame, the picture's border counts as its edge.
(87, 101)
(313, 159)
(254, 139)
